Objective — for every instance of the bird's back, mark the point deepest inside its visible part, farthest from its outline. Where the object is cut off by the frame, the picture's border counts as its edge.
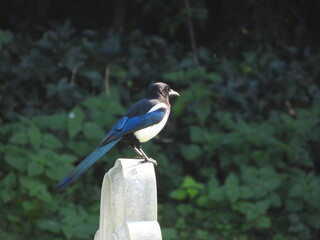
(141, 107)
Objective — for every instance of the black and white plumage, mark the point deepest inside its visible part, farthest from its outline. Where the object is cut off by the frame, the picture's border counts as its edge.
(143, 121)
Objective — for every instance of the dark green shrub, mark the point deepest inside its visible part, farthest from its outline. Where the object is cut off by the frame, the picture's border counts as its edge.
(238, 158)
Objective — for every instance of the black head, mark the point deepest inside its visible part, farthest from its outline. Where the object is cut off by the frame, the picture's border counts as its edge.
(160, 90)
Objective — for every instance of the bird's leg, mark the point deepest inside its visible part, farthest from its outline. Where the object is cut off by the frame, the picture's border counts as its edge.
(141, 153)
(134, 148)
(146, 158)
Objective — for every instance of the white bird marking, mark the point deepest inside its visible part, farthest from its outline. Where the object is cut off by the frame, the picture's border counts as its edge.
(147, 133)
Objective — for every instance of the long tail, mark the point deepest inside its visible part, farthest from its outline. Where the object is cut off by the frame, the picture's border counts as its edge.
(85, 164)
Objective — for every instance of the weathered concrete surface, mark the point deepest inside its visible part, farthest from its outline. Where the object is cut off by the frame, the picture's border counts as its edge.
(128, 209)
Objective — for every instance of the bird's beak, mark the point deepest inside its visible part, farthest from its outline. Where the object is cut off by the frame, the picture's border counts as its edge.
(173, 93)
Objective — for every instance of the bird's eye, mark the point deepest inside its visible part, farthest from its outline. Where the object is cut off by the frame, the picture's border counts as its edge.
(167, 89)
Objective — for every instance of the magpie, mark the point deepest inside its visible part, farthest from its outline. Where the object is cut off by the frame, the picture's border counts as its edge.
(143, 121)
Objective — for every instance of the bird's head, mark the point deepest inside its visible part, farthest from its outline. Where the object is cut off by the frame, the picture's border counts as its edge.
(160, 89)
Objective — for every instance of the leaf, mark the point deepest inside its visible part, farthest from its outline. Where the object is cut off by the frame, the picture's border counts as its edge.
(14, 218)
(179, 107)
(169, 233)
(202, 111)
(34, 136)
(245, 192)
(253, 211)
(57, 172)
(50, 141)
(214, 77)
(189, 182)
(7, 194)
(67, 158)
(179, 194)
(203, 201)
(92, 130)
(39, 157)
(262, 206)
(197, 134)
(74, 58)
(49, 225)
(264, 222)
(79, 148)
(313, 219)
(115, 105)
(63, 164)
(232, 187)
(20, 137)
(10, 180)
(35, 189)
(213, 183)
(278, 65)
(192, 187)
(4, 37)
(274, 200)
(54, 121)
(34, 169)
(185, 209)
(29, 205)
(75, 119)
(225, 119)
(191, 152)
(94, 103)
(16, 161)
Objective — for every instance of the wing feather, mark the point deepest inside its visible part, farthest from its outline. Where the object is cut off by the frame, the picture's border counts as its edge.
(128, 125)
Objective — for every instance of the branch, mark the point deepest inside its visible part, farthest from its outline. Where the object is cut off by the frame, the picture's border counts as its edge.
(191, 32)
(290, 109)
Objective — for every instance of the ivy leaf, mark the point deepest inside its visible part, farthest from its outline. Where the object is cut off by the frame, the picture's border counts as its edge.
(54, 121)
(197, 134)
(179, 194)
(245, 192)
(74, 58)
(35, 189)
(192, 187)
(232, 187)
(20, 137)
(16, 161)
(202, 111)
(264, 222)
(34, 169)
(50, 141)
(49, 225)
(35, 136)
(92, 130)
(65, 166)
(7, 194)
(10, 180)
(191, 151)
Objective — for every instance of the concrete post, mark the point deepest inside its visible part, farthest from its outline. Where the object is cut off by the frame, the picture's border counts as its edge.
(128, 208)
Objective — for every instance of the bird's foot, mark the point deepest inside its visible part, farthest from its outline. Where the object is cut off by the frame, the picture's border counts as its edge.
(154, 162)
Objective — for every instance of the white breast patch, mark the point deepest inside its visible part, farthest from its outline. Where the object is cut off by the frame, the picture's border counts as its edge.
(146, 134)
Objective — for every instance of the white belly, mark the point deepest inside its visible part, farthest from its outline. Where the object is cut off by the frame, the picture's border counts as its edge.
(146, 134)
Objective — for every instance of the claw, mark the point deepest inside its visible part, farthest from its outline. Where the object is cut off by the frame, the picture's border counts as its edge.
(140, 152)
(154, 162)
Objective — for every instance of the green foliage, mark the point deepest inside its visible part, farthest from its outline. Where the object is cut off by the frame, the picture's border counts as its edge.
(258, 176)
(237, 160)
(39, 152)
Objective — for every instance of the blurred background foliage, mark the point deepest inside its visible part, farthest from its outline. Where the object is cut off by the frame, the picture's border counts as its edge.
(239, 157)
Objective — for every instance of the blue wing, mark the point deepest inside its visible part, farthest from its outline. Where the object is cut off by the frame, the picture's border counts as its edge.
(123, 127)
(128, 125)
